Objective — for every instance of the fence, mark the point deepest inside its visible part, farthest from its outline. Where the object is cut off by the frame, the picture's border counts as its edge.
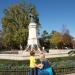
(63, 71)
(15, 70)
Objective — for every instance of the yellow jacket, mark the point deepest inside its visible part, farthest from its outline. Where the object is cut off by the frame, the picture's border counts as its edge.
(32, 61)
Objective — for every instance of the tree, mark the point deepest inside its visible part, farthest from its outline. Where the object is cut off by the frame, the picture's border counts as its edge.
(73, 42)
(56, 39)
(67, 38)
(67, 41)
(65, 30)
(0, 39)
(45, 34)
(15, 24)
(44, 40)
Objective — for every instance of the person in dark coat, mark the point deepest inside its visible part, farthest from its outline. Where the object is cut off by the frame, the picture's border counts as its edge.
(44, 68)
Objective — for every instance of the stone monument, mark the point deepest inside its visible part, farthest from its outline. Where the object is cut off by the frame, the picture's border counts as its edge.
(33, 42)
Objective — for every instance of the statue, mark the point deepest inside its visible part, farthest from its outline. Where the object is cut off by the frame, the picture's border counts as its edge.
(33, 42)
(31, 15)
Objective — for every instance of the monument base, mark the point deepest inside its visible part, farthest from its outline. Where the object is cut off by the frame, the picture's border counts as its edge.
(34, 47)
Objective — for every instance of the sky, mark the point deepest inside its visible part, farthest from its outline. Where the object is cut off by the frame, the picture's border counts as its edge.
(53, 14)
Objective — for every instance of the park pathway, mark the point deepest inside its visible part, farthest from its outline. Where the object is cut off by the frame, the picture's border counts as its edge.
(71, 74)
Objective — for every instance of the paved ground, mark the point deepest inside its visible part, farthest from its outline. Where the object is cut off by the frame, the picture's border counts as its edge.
(26, 56)
(23, 55)
(71, 74)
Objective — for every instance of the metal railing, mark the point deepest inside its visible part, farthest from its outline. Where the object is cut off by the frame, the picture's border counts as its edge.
(15, 70)
(63, 71)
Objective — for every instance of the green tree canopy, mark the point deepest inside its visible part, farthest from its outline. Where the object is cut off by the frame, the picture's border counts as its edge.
(15, 23)
(44, 40)
(56, 38)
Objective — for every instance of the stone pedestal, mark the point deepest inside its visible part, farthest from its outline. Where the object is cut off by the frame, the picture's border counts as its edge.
(33, 36)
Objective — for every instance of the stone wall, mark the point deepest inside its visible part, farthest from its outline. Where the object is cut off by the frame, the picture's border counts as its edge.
(59, 51)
